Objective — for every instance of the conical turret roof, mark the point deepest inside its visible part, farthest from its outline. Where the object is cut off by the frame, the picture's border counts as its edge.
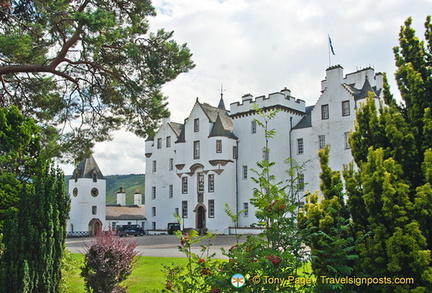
(88, 168)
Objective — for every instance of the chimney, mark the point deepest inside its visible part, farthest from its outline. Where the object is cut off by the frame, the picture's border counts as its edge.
(121, 197)
(137, 197)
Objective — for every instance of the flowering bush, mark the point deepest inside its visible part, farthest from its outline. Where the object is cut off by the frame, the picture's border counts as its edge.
(109, 260)
(194, 276)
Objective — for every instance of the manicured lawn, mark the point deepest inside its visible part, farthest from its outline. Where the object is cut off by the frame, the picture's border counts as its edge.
(146, 277)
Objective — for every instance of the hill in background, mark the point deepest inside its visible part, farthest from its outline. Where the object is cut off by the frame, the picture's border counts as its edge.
(130, 183)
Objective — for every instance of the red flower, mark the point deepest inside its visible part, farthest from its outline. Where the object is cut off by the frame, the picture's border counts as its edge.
(168, 286)
(215, 290)
(201, 260)
(274, 259)
(184, 238)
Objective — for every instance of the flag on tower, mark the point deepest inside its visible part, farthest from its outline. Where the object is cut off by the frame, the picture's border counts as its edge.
(331, 45)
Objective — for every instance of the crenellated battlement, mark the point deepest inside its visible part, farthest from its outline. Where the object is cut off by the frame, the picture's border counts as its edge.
(278, 99)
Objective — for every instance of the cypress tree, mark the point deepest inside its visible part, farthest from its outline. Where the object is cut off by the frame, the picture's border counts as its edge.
(34, 240)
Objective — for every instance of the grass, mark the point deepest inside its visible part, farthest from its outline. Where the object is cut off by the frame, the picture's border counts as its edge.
(146, 277)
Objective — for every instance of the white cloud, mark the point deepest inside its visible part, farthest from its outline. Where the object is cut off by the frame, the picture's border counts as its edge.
(262, 46)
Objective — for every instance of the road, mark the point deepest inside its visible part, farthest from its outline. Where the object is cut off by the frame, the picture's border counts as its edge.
(162, 245)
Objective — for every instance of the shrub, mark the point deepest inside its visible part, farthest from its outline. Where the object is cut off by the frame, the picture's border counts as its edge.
(108, 261)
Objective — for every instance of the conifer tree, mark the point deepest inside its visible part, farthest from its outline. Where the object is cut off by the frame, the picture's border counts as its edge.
(390, 195)
(34, 238)
(326, 222)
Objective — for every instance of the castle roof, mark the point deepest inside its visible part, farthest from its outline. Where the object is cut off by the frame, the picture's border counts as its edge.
(219, 130)
(306, 120)
(132, 212)
(364, 91)
(88, 168)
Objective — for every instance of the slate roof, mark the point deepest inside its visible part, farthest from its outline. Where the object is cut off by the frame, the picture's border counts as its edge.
(212, 113)
(132, 212)
(364, 91)
(306, 121)
(219, 130)
(87, 168)
(176, 127)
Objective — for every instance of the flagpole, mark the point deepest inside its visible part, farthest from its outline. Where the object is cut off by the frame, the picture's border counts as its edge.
(328, 49)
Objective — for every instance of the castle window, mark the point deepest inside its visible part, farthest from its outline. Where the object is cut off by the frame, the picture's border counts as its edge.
(324, 111)
(211, 208)
(301, 181)
(300, 146)
(153, 211)
(253, 126)
(201, 182)
(154, 225)
(184, 209)
(196, 125)
(211, 183)
(245, 209)
(321, 141)
(168, 141)
(235, 152)
(184, 185)
(346, 138)
(345, 108)
(266, 154)
(245, 172)
(159, 143)
(176, 211)
(196, 150)
(171, 191)
(94, 175)
(94, 210)
(218, 146)
(154, 166)
(171, 164)
(153, 192)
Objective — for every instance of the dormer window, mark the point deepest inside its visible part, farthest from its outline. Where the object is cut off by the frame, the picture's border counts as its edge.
(94, 177)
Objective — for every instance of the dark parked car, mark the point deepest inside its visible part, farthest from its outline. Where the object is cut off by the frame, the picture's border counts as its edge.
(125, 230)
(173, 227)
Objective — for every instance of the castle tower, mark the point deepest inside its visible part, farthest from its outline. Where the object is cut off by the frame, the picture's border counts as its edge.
(87, 190)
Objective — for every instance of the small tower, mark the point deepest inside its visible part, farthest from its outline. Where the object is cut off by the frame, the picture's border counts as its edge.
(121, 197)
(87, 190)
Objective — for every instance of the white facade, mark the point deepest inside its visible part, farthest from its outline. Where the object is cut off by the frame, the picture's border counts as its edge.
(87, 190)
(89, 212)
(218, 148)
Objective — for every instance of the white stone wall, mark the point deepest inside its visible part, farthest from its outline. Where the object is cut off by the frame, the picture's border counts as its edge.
(161, 179)
(81, 212)
(230, 185)
(335, 127)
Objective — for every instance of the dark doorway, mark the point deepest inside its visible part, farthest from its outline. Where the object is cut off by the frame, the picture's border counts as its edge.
(200, 219)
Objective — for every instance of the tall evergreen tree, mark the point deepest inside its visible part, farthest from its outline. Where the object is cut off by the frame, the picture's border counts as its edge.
(34, 238)
(390, 195)
(326, 222)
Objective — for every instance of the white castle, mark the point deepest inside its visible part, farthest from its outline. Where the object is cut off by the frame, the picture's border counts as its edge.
(193, 169)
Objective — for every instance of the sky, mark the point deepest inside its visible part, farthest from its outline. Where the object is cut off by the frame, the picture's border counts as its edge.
(262, 46)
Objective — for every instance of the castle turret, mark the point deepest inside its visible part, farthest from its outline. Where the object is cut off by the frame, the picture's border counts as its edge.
(87, 190)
